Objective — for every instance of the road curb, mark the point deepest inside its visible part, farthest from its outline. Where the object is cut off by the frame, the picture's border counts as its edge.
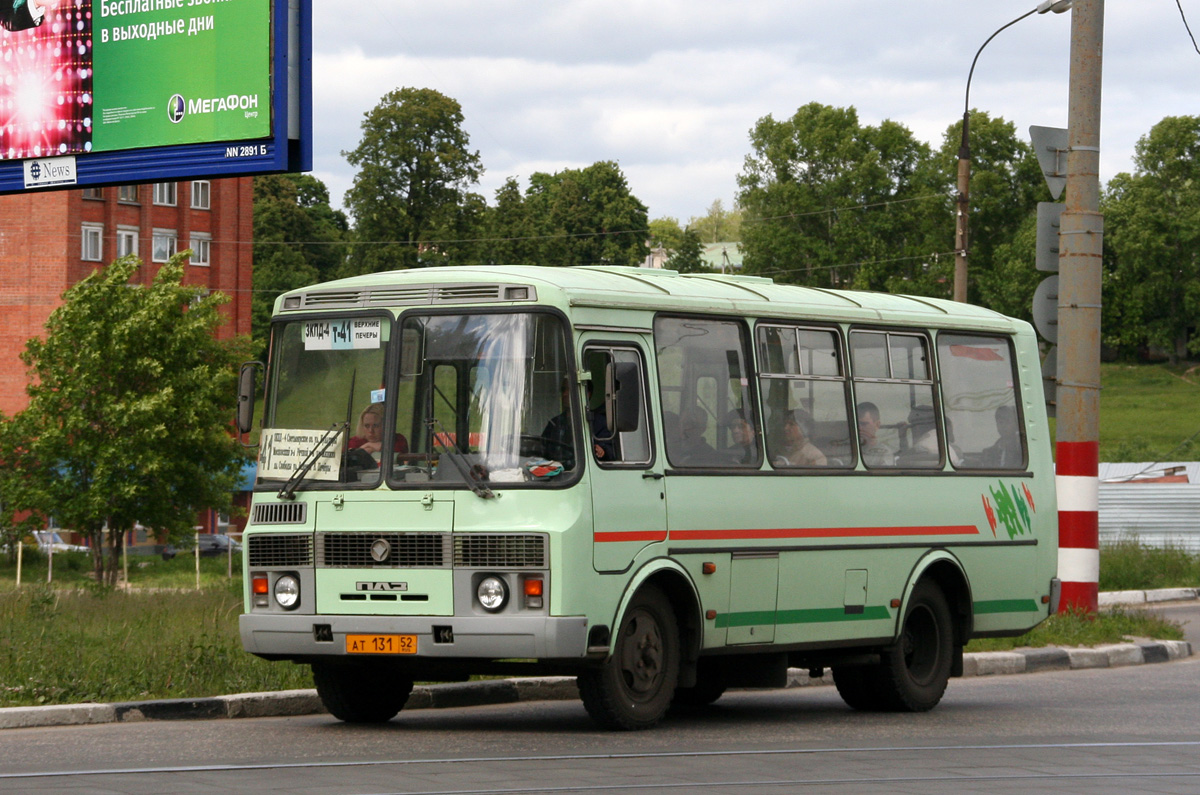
(550, 688)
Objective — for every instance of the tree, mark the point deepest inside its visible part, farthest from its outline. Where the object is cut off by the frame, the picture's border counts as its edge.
(686, 256)
(586, 217)
(415, 167)
(129, 409)
(829, 202)
(1152, 244)
(718, 224)
(298, 240)
(665, 232)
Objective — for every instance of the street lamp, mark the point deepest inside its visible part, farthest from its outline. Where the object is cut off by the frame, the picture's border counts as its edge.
(964, 157)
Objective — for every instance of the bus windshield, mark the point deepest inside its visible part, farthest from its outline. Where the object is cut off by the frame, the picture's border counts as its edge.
(477, 400)
(484, 399)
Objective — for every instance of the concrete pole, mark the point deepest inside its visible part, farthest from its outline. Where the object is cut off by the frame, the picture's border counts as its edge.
(1081, 249)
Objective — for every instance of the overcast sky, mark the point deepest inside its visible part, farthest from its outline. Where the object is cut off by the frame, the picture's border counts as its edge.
(670, 89)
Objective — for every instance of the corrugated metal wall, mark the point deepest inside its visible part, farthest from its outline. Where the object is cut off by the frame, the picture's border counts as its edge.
(1158, 514)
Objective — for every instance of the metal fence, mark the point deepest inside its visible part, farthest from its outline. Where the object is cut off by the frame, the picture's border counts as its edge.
(1156, 514)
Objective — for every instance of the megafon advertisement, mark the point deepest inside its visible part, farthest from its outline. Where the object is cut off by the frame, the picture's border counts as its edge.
(89, 77)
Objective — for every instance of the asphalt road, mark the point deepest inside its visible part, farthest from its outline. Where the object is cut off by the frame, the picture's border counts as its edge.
(1101, 731)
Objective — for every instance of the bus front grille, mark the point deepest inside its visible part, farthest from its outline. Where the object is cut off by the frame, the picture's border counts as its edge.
(279, 513)
(397, 550)
(500, 550)
(279, 549)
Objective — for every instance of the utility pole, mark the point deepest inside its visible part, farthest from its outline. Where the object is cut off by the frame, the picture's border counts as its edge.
(1080, 257)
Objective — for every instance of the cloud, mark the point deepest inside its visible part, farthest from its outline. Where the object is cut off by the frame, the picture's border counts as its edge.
(670, 89)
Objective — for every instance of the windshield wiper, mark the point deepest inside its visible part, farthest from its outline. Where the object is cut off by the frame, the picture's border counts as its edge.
(456, 458)
(288, 492)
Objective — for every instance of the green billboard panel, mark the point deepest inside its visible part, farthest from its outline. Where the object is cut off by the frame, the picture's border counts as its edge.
(180, 71)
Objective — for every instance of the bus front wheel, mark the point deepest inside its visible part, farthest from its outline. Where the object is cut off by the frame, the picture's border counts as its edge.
(912, 674)
(361, 693)
(634, 687)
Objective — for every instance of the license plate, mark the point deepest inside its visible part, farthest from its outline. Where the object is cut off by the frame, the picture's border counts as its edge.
(381, 644)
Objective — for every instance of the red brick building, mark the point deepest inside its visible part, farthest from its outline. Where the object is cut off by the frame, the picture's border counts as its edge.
(49, 241)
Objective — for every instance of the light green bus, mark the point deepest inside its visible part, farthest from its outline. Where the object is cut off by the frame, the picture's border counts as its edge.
(664, 485)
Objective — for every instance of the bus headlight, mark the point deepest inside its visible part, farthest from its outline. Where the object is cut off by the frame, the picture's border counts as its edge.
(287, 592)
(492, 593)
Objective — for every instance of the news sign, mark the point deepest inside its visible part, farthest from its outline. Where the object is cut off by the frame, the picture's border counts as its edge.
(122, 91)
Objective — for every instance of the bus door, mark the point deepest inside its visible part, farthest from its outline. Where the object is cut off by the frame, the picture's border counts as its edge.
(628, 505)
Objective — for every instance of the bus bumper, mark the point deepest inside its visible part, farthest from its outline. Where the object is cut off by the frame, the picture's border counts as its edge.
(480, 637)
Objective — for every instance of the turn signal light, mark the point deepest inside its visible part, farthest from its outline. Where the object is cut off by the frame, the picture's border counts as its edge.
(259, 585)
(533, 592)
(260, 588)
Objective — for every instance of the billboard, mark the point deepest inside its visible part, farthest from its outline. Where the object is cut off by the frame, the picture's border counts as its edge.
(96, 92)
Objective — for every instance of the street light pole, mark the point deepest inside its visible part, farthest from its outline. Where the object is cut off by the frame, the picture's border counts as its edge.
(962, 200)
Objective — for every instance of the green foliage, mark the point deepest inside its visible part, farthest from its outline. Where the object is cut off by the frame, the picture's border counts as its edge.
(298, 240)
(665, 232)
(573, 217)
(1152, 245)
(129, 409)
(686, 257)
(718, 225)
(830, 202)
(61, 647)
(410, 193)
(1129, 566)
(1081, 629)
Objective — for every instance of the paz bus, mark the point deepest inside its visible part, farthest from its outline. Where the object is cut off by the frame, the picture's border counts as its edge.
(664, 485)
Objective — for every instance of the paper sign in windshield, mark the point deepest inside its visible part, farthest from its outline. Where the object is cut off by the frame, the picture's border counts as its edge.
(284, 451)
(340, 335)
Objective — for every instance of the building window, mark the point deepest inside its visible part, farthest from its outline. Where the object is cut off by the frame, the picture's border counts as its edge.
(93, 193)
(127, 193)
(201, 192)
(201, 245)
(93, 242)
(127, 241)
(165, 245)
(165, 193)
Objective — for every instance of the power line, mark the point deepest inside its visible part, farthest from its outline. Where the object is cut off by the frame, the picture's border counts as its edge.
(1186, 25)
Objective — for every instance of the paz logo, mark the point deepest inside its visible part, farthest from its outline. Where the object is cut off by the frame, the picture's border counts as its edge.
(176, 108)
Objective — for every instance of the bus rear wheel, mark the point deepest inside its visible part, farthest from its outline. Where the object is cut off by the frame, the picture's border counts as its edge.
(634, 687)
(361, 693)
(912, 675)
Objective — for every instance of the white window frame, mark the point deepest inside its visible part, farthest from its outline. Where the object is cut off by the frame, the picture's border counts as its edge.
(127, 240)
(201, 194)
(171, 241)
(201, 246)
(92, 247)
(166, 193)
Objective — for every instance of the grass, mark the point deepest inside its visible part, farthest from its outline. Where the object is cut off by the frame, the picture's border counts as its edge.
(65, 647)
(1148, 412)
(74, 570)
(1078, 629)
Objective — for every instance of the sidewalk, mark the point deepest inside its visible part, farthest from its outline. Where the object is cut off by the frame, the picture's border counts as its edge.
(506, 691)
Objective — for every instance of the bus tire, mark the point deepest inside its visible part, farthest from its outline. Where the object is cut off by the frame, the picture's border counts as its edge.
(914, 671)
(858, 685)
(361, 693)
(635, 685)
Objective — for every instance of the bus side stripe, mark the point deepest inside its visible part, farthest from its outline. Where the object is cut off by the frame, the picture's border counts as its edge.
(823, 532)
(636, 535)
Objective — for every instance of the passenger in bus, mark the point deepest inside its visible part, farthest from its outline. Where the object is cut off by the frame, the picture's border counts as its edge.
(558, 441)
(742, 449)
(368, 436)
(874, 452)
(925, 450)
(1006, 453)
(692, 447)
(796, 450)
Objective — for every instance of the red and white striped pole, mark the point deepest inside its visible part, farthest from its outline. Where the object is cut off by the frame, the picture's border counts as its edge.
(1080, 259)
(1078, 486)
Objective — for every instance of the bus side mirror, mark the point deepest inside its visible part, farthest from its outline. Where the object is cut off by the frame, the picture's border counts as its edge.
(245, 407)
(622, 396)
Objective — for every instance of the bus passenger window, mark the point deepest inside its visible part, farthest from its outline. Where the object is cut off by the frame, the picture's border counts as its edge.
(704, 378)
(894, 401)
(979, 389)
(804, 393)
